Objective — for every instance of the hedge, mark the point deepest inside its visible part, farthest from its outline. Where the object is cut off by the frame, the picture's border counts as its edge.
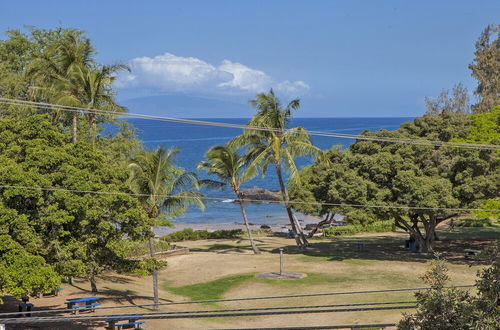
(375, 227)
(189, 234)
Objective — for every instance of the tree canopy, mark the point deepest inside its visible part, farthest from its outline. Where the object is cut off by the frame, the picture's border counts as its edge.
(379, 174)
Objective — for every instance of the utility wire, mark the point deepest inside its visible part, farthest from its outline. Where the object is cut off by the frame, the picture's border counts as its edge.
(66, 310)
(183, 316)
(249, 299)
(244, 200)
(345, 326)
(41, 105)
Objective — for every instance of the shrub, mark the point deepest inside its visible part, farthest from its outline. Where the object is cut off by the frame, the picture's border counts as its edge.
(189, 234)
(375, 227)
(476, 223)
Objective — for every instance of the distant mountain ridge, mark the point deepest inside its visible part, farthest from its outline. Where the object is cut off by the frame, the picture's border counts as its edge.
(177, 105)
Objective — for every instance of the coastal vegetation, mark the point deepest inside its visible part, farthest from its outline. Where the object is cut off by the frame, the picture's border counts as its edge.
(278, 146)
(79, 193)
(164, 191)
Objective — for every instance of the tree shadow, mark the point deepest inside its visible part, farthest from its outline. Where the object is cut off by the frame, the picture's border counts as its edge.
(387, 248)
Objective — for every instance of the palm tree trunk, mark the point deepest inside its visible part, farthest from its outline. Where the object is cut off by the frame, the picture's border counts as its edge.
(245, 219)
(156, 299)
(75, 126)
(297, 230)
(92, 128)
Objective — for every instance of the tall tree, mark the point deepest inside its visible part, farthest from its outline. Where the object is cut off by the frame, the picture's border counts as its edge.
(53, 68)
(94, 84)
(164, 190)
(486, 69)
(457, 102)
(406, 176)
(231, 168)
(278, 146)
(76, 233)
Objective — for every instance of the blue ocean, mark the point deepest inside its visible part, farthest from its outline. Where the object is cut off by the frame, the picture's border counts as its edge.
(194, 141)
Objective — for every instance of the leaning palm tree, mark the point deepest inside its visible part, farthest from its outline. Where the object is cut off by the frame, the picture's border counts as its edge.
(277, 146)
(230, 168)
(164, 190)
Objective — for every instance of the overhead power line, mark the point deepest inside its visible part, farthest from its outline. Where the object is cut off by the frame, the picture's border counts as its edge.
(66, 310)
(319, 294)
(64, 319)
(244, 200)
(45, 106)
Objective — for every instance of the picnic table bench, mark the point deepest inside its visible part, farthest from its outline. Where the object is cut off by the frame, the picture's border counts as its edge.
(359, 246)
(85, 303)
(25, 306)
(133, 322)
(470, 253)
(52, 292)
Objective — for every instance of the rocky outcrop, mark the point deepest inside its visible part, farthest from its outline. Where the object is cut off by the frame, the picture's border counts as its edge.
(260, 194)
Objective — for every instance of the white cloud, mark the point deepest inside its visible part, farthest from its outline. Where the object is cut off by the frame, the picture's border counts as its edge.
(293, 87)
(169, 72)
(245, 78)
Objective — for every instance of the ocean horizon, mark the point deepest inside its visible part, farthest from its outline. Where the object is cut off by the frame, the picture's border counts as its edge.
(194, 140)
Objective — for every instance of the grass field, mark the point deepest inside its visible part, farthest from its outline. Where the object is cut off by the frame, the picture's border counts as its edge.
(226, 268)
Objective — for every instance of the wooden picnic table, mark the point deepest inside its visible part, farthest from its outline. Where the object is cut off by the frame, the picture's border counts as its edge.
(85, 303)
(133, 321)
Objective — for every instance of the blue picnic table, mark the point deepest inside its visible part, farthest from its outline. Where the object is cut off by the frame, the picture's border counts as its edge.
(85, 303)
(133, 322)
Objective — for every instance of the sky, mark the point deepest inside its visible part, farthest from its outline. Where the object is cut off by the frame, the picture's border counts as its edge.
(341, 58)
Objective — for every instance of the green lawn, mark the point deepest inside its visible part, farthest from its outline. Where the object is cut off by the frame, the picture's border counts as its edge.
(217, 288)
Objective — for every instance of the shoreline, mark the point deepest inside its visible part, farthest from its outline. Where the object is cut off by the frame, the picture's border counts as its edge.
(282, 225)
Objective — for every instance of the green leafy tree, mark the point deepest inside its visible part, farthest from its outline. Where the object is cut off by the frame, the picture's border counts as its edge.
(278, 146)
(404, 175)
(74, 232)
(486, 69)
(451, 308)
(22, 273)
(231, 168)
(164, 190)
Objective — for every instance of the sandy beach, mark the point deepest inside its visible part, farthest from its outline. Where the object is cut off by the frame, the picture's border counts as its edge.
(281, 225)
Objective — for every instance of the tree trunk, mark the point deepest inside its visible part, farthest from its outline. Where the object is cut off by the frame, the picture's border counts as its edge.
(93, 283)
(425, 242)
(75, 127)
(297, 230)
(156, 299)
(328, 219)
(245, 219)
(92, 128)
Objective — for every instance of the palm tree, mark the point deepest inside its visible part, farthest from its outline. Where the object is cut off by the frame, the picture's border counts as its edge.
(163, 189)
(94, 84)
(52, 70)
(229, 167)
(277, 146)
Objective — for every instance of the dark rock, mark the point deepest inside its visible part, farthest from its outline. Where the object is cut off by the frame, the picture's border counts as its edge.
(260, 194)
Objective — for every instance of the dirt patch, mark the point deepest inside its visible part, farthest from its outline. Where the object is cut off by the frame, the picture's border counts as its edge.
(281, 276)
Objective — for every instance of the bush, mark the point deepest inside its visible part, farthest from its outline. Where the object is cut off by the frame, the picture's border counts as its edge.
(189, 234)
(476, 223)
(141, 248)
(375, 227)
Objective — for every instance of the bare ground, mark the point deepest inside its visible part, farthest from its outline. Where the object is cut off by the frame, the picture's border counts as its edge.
(383, 264)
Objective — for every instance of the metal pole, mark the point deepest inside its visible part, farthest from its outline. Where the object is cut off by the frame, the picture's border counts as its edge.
(281, 261)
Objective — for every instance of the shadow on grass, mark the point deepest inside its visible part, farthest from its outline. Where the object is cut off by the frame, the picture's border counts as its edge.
(450, 246)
